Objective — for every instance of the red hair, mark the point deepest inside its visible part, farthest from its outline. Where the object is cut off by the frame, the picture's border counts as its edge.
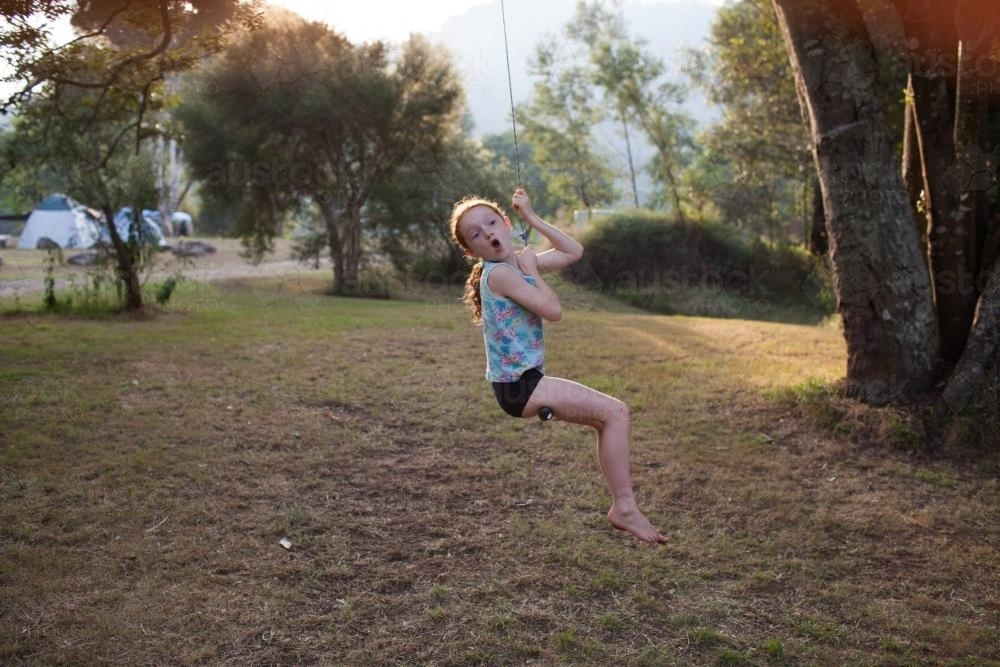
(472, 296)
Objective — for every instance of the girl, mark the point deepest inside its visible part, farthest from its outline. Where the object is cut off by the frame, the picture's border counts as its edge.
(510, 298)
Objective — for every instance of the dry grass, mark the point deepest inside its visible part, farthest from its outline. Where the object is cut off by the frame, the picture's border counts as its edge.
(149, 468)
(23, 271)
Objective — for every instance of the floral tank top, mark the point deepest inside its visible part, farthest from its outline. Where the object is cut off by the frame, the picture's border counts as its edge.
(513, 334)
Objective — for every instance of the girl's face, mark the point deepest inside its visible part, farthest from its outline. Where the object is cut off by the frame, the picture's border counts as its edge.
(486, 233)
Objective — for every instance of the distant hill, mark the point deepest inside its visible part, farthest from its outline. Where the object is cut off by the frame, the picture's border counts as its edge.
(476, 38)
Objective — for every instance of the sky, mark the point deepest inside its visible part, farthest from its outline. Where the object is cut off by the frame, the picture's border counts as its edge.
(369, 20)
(473, 31)
(391, 20)
(394, 20)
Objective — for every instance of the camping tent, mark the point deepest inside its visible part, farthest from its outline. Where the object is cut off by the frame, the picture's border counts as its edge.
(63, 221)
(148, 232)
(181, 222)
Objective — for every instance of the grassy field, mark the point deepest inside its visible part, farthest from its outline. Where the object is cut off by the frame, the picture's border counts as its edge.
(150, 467)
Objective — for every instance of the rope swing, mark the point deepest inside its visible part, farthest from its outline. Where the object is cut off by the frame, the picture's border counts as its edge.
(513, 120)
(544, 413)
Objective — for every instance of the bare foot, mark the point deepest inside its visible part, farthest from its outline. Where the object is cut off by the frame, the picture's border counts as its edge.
(635, 522)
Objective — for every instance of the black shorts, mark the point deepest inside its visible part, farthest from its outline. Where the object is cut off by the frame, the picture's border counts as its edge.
(513, 396)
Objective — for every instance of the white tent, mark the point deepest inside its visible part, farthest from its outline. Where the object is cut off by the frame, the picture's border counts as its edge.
(63, 221)
(148, 231)
(183, 223)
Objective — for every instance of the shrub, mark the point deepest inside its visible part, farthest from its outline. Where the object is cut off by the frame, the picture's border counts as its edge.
(165, 290)
(657, 264)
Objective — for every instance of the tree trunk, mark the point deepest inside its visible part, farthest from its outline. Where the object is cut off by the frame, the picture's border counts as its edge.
(165, 154)
(936, 136)
(631, 163)
(883, 289)
(667, 165)
(657, 136)
(329, 214)
(953, 240)
(977, 25)
(818, 242)
(991, 242)
(349, 284)
(128, 273)
(972, 374)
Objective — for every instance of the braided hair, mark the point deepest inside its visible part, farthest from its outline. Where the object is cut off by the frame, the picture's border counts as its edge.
(472, 296)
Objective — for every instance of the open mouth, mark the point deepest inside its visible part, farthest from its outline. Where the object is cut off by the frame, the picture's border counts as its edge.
(495, 243)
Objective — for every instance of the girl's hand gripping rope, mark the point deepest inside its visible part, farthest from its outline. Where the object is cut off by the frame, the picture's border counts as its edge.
(522, 204)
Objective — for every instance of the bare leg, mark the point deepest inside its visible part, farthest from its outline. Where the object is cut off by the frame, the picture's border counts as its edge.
(577, 403)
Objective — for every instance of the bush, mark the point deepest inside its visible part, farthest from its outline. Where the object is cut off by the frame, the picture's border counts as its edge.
(432, 260)
(654, 263)
(165, 290)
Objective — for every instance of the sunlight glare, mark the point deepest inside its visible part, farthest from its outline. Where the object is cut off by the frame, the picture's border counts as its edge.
(382, 19)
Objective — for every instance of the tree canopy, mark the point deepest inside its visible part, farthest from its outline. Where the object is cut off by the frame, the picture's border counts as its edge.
(330, 121)
(88, 105)
(756, 159)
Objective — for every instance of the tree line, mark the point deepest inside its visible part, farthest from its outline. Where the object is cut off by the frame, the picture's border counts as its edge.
(282, 120)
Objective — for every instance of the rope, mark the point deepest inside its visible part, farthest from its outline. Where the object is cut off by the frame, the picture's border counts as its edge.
(513, 119)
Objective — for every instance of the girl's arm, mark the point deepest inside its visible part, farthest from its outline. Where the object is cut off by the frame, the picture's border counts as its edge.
(565, 249)
(538, 298)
